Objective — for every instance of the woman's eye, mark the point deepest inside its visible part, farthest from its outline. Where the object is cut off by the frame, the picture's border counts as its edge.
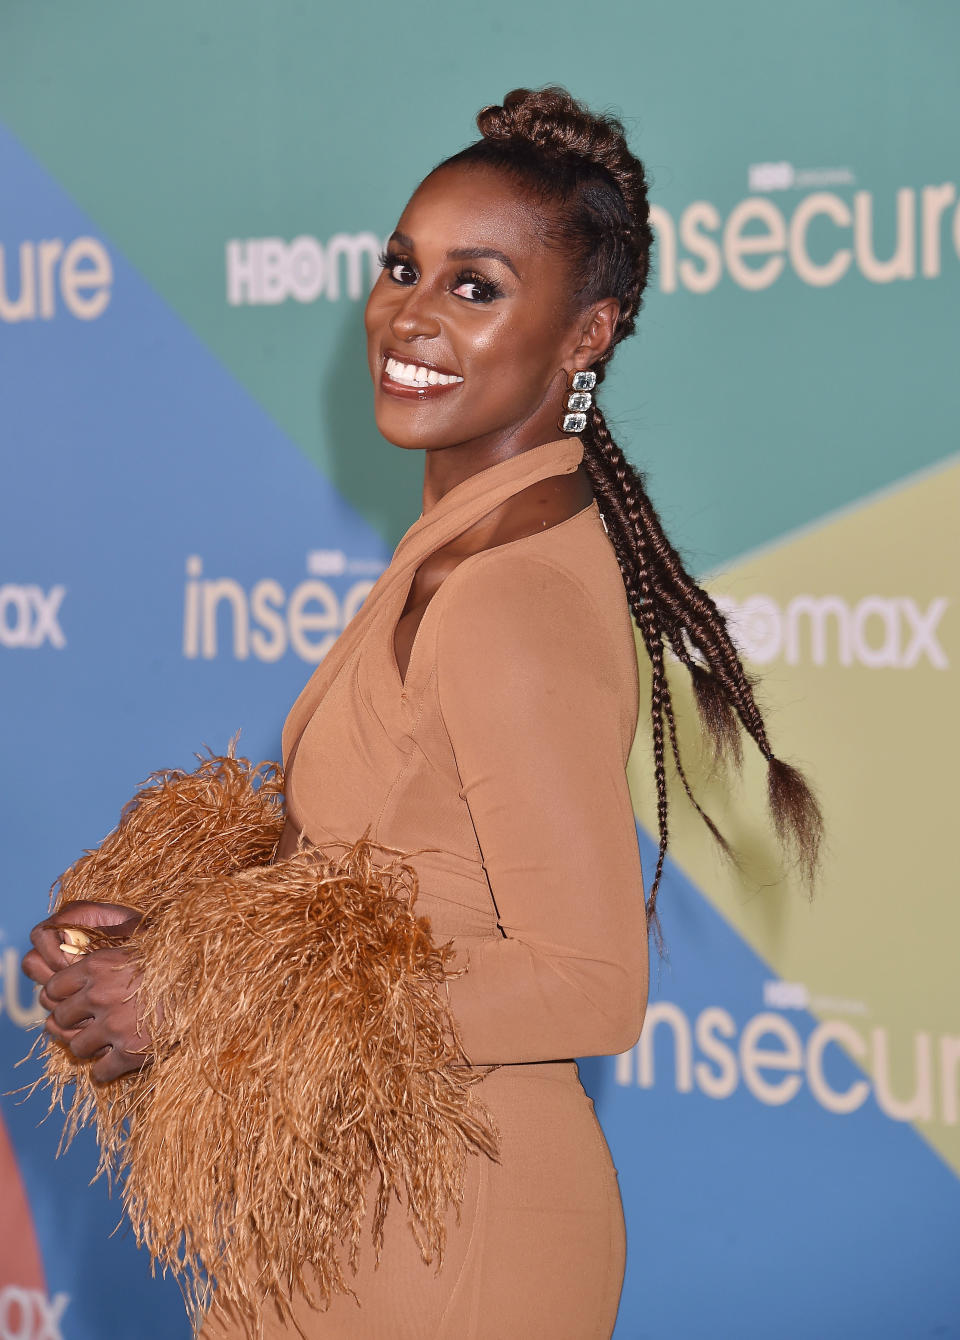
(474, 288)
(471, 287)
(399, 270)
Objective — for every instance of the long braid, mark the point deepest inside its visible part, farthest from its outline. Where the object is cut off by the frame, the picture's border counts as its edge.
(615, 506)
(579, 166)
(619, 504)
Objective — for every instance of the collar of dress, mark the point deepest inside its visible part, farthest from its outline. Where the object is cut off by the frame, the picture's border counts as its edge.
(454, 513)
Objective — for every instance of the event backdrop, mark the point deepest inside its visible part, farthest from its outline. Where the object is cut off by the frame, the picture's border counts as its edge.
(195, 501)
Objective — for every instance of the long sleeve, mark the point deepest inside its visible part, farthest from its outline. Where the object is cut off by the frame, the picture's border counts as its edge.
(532, 688)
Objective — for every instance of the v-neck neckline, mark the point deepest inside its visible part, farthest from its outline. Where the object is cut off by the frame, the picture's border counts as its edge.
(458, 509)
(494, 478)
(402, 681)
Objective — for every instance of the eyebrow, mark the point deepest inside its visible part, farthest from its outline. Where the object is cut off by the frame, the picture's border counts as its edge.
(464, 253)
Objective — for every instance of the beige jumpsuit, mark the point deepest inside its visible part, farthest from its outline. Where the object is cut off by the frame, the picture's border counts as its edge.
(500, 762)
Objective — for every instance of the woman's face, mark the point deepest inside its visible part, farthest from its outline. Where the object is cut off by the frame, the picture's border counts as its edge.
(471, 322)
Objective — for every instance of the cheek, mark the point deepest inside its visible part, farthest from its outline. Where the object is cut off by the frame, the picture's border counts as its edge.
(375, 317)
(383, 298)
(492, 336)
(521, 353)
(372, 311)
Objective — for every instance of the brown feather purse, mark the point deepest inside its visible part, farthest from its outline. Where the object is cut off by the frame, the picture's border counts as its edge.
(303, 1059)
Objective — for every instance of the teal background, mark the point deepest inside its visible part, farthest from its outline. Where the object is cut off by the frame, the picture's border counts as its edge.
(177, 424)
(181, 125)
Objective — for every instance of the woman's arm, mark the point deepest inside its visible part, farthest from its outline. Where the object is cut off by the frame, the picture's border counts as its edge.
(536, 696)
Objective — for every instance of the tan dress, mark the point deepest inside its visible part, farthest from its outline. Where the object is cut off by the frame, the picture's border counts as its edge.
(499, 762)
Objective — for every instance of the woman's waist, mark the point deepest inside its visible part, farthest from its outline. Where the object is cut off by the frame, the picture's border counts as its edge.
(508, 1076)
(535, 1096)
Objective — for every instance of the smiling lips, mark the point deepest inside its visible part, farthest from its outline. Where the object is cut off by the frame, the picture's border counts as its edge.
(416, 380)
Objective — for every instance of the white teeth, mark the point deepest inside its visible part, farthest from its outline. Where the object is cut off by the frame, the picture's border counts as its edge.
(415, 374)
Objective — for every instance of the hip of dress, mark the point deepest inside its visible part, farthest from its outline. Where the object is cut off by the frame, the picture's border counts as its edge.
(538, 1249)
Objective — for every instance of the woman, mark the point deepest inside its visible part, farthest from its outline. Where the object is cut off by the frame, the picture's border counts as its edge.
(480, 710)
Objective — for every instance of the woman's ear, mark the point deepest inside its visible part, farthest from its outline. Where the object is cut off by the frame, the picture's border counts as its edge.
(596, 327)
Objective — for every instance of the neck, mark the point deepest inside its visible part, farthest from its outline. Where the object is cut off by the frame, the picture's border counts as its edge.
(446, 467)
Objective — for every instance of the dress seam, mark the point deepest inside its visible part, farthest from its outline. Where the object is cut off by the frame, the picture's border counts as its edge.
(409, 735)
(466, 1265)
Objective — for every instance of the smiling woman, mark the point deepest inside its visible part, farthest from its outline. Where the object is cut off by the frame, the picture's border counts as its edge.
(476, 716)
(497, 318)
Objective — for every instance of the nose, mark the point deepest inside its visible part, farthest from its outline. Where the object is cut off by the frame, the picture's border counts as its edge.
(415, 317)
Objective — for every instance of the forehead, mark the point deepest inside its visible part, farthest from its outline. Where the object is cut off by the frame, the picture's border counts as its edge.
(462, 206)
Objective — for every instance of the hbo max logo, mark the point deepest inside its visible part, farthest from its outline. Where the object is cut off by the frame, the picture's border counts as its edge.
(30, 616)
(877, 632)
(268, 270)
(29, 1314)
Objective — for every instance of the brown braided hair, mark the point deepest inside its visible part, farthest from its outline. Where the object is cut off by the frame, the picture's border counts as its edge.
(594, 191)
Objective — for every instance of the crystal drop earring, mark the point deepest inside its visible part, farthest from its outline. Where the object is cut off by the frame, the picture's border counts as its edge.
(579, 400)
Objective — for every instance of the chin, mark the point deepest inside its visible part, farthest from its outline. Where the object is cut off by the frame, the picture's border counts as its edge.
(406, 429)
(403, 443)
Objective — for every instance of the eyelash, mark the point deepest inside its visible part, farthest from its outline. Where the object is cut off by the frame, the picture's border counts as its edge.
(390, 260)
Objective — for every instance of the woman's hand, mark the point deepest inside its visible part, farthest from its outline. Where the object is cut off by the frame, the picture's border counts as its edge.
(92, 999)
